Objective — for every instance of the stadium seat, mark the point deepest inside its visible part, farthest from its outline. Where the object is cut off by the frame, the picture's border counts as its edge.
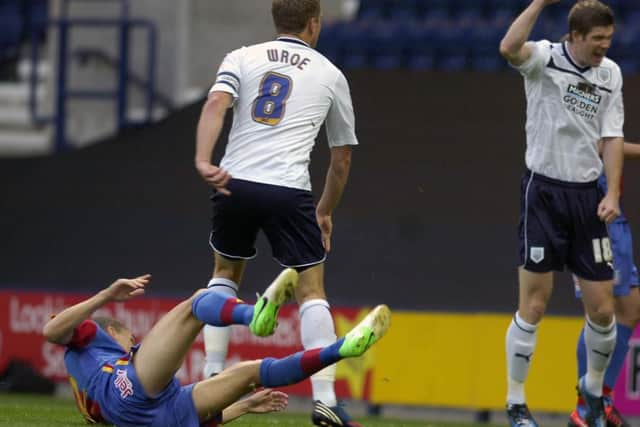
(421, 49)
(11, 28)
(387, 43)
(356, 44)
(35, 14)
(372, 9)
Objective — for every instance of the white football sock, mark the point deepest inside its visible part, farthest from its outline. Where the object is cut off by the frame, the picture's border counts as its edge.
(216, 339)
(317, 330)
(600, 342)
(521, 342)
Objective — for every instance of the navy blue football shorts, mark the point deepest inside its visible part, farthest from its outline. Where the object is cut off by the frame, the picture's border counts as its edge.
(625, 270)
(287, 216)
(559, 226)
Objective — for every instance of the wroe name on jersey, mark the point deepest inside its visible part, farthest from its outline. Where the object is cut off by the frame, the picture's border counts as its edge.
(285, 57)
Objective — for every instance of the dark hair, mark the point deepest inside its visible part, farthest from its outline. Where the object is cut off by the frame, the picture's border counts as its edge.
(587, 14)
(292, 16)
(105, 322)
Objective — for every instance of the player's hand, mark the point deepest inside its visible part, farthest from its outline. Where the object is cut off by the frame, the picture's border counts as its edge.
(124, 289)
(548, 2)
(267, 400)
(609, 208)
(325, 222)
(214, 176)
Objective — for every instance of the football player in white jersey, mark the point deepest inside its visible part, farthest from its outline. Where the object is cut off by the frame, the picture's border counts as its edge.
(574, 99)
(281, 92)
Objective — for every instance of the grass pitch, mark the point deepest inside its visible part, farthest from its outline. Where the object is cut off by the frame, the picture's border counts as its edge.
(37, 411)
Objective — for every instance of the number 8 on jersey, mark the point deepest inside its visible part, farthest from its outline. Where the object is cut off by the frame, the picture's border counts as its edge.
(270, 105)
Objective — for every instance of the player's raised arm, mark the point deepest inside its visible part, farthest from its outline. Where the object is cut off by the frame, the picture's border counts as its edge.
(209, 128)
(59, 330)
(513, 46)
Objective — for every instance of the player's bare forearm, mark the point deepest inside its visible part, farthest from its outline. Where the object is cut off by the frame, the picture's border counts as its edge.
(234, 411)
(513, 45)
(631, 150)
(210, 124)
(336, 180)
(59, 330)
(613, 158)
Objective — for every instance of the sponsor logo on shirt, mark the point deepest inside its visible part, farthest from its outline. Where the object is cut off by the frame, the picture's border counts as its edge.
(582, 100)
(123, 383)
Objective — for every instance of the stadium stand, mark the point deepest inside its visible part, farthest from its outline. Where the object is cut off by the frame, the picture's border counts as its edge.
(20, 23)
(454, 35)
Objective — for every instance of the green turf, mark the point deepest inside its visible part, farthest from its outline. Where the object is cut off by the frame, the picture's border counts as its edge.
(35, 411)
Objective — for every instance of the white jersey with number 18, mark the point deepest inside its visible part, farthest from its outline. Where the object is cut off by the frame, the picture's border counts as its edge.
(283, 90)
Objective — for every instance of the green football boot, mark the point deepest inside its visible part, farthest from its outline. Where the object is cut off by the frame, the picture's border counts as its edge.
(367, 332)
(265, 312)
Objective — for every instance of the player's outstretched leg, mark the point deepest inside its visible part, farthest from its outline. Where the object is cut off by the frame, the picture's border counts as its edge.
(217, 309)
(295, 368)
(157, 363)
(214, 394)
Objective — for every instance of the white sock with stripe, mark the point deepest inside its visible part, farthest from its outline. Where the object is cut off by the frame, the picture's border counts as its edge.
(317, 330)
(600, 342)
(521, 342)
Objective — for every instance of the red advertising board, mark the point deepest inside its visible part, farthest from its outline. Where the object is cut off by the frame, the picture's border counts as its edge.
(23, 314)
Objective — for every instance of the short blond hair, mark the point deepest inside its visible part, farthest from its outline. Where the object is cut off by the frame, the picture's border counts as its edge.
(292, 16)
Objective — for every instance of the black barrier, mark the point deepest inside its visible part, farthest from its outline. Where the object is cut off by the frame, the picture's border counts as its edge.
(428, 220)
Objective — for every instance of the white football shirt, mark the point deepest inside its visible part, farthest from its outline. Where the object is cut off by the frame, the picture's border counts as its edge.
(284, 90)
(569, 108)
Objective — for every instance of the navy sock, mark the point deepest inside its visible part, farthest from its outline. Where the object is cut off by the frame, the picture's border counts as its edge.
(217, 309)
(298, 366)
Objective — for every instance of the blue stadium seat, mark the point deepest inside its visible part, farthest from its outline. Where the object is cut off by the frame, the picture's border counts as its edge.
(356, 45)
(372, 9)
(485, 54)
(35, 14)
(11, 28)
(388, 42)
(421, 49)
(453, 46)
(330, 43)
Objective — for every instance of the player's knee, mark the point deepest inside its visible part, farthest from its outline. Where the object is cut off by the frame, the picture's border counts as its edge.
(602, 314)
(532, 309)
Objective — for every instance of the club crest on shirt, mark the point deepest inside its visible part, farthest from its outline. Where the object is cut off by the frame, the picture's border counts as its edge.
(536, 254)
(123, 383)
(604, 75)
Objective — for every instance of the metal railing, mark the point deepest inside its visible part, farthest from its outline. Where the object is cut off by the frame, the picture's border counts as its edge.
(64, 24)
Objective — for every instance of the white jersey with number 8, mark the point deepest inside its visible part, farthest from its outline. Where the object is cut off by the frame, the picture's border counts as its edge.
(283, 90)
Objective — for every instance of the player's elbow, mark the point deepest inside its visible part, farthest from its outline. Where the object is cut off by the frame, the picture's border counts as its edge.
(52, 334)
(48, 333)
(506, 50)
(218, 103)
